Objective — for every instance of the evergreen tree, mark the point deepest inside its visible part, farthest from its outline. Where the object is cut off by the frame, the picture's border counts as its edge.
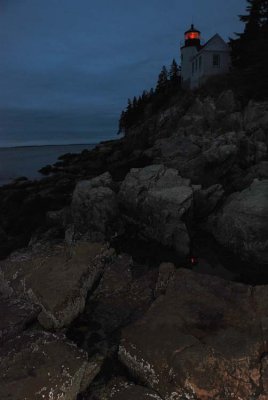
(250, 50)
(136, 110)
(162, 80)
(129, 106)
(121, 126)
(174, 72)
(144, 97)
(151, 92)
(135, 102)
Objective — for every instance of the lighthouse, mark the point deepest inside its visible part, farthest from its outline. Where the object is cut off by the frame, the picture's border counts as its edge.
(191, 46)
(198, 62)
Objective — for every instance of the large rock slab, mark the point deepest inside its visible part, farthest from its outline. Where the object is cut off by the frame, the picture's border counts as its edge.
(94, 209)
(57, 278)
(156, 199)
(121, 297)
(44, 366)
(242, 224)
(204, 159)
(204, 339)
(16, 315)
(256, 116)
(121, 390)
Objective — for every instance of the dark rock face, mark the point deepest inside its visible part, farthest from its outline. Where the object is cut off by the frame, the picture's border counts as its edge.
(56, 278)
(121, 296)
(157, 199)
(43, 366)
(16, 315)
(122, 390)
(24, 205)
(94, 209)
(206, 200)
(200, 164)
(203, 339)
(242, 224)
(213, 139)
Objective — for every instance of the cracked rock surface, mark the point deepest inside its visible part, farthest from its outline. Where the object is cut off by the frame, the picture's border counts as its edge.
(57, 278)
(204, 339)
(40, 365)
(158, 198)
(16, 314)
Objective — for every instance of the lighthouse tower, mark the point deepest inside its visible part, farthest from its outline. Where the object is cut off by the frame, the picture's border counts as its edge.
(190, 48)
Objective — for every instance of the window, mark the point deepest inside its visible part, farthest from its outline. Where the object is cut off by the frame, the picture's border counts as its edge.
(216, 60)
(200, 63)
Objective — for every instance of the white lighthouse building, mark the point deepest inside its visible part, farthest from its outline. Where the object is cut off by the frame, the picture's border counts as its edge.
(198, 62)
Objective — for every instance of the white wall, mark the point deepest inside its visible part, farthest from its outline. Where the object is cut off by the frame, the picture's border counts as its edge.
(215, 45)
(207, 68)
(187, 53)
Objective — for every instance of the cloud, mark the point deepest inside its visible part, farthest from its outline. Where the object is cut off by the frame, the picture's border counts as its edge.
(66, 55)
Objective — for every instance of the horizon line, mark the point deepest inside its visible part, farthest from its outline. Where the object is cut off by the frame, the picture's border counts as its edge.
(46, 145)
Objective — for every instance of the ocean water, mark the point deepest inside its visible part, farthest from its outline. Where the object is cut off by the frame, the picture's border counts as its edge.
(26, 161)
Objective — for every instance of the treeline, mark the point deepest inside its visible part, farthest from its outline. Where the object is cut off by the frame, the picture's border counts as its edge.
(250, 52)
(168, 83)
(248, 76)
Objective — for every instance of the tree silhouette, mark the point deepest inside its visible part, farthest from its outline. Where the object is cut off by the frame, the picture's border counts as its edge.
(168, 83)
(174, 74)
(162, 80)
(250, 50)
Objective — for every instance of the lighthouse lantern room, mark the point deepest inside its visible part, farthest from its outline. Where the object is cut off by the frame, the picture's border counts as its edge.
(198, 62)
(192, 37)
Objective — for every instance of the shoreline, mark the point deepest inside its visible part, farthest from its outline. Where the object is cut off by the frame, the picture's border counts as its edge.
(26, 161)
(48, 145)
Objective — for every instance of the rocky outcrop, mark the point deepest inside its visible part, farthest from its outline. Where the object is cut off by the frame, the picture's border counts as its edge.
(206, 200)
(214, 139)
(205, 338)
(242, 223)
(166, 273)
(16, 315)
(256, 117)
(122, 294)
(94, 209)
(41, 365)
(56, 278)
(118, 389)
(187, 168)
(157, 199)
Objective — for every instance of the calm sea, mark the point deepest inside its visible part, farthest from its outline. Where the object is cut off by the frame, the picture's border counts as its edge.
(26, 161)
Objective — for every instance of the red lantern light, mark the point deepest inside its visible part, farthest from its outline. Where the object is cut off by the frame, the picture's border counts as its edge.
(192, 36)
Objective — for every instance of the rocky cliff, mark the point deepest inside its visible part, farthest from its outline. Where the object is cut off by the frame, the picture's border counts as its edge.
(122, 250)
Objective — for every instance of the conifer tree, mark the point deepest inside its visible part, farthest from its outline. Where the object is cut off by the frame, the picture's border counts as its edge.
(174, 72)
(250, 49)
(122, 121)
(135, 102)
(129, 105)
(162, 80)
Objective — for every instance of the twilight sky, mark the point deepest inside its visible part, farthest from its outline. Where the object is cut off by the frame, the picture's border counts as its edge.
(67, 67)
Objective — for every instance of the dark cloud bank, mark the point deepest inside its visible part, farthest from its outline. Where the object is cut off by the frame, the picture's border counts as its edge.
(67, 67)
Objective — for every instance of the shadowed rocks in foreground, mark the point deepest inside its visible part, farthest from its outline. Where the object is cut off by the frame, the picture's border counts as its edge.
(204, 338)
(57, 278)
(44, 366)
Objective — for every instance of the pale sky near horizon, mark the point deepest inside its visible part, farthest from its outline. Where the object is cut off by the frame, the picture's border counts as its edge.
(82, 59)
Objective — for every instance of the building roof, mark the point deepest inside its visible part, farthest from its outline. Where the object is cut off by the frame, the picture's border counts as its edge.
(215, 43)
(214, 39)
(192, 29)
